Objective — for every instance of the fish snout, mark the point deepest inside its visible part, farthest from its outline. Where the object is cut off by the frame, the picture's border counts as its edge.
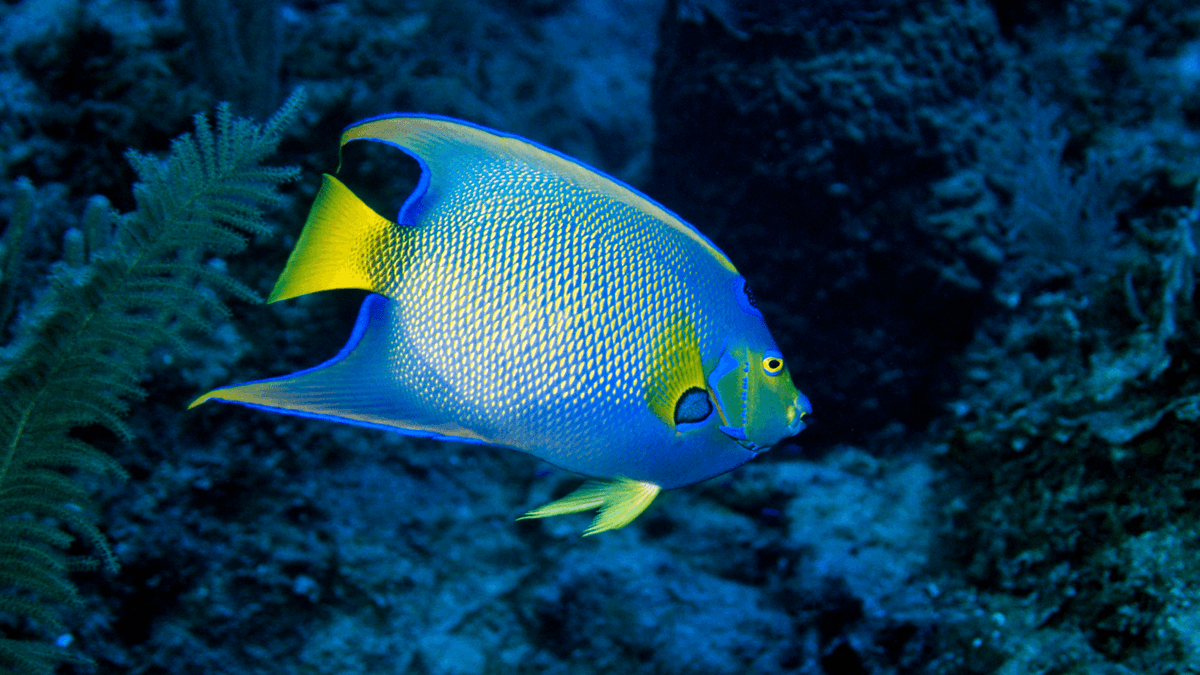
(796, 412)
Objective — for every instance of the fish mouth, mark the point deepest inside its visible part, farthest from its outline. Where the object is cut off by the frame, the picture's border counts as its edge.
(794, 416)
(796, 412)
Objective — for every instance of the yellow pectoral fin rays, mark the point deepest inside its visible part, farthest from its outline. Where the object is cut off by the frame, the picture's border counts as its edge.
(620, 501)
(674, 372)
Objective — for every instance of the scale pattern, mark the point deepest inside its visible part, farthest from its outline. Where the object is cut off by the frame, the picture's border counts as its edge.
(526, 299)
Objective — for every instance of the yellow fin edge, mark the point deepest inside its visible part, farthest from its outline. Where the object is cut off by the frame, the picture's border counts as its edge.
(199, 399)
(620, 501)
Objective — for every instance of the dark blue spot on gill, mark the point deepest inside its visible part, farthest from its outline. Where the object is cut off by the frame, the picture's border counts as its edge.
(692, 407)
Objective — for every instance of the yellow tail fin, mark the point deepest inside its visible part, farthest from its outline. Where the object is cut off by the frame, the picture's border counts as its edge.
(339, 247)
(620, 502)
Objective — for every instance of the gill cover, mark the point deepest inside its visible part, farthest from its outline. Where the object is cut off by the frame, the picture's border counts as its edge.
(755, 391)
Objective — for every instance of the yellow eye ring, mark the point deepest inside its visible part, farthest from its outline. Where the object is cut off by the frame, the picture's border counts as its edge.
(772, 363)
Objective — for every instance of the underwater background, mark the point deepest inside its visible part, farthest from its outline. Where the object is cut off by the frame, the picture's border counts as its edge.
(971, 226)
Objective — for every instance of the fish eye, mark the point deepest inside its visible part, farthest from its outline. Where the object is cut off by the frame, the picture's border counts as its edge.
(772, 363)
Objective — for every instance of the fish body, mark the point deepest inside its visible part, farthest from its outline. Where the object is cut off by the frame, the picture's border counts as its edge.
(525, 300)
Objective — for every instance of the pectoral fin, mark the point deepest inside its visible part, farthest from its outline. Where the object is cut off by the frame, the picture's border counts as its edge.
(675, 389)
(620, 501)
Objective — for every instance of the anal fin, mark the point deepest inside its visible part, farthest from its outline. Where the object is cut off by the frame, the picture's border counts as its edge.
(367, 384)
(620, 501)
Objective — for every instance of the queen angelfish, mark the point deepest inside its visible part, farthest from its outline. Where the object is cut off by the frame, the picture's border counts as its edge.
(524, 299)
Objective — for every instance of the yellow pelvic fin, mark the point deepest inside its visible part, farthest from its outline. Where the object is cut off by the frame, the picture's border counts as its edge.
(620, 502)
(674, 367)
(340, 246)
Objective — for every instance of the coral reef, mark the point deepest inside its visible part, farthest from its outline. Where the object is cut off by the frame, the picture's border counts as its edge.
(1072, 456)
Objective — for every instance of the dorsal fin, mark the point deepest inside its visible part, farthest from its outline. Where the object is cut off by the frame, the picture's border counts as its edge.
(451, 153)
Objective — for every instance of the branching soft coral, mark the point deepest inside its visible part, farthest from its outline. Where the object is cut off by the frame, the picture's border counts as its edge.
(126, 285)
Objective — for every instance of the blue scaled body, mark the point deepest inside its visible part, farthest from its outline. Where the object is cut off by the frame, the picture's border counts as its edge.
(526, 300)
